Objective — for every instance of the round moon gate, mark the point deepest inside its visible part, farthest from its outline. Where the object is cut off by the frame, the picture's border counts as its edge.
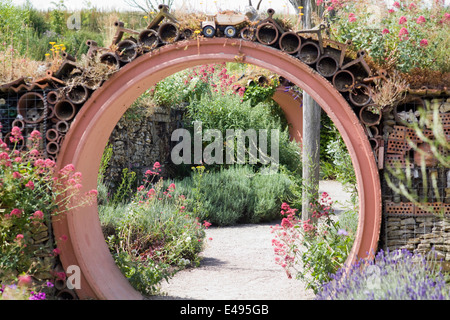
(89, 133)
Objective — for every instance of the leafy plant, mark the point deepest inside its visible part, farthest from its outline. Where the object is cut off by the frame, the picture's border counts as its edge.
(311, 251)
(30, 193)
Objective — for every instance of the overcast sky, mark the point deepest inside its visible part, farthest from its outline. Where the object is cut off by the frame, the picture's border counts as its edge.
(202, 5)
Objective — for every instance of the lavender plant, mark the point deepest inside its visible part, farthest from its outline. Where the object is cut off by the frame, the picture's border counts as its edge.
(396, 275)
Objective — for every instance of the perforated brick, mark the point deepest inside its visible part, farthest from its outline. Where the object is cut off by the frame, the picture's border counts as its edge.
(396, 161)
(401, 208)
(434, 208)
(398, 146)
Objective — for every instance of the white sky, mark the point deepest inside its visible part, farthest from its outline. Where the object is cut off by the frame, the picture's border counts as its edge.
(203, 5)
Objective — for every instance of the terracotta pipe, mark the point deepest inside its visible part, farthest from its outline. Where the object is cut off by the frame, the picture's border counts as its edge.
(168, 32)
(248, 34)
(309, 52)
(267, 33)
(67, 56)
(110, 58)
(52, 135)
(127, 50)
(31, 107)
(52, 97)
(66, 294)
(65, 110)
(343, 80)
(149, 39)
(78, 94)
(82, 147)
(368, 117)
(52, 147)
(360, 95)
(18, 123)
(187, 33)
(327, 66)
(262, 80)
(290, 42)
(62, 126)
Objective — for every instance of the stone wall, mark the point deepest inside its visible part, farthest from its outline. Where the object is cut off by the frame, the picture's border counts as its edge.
(141, 138)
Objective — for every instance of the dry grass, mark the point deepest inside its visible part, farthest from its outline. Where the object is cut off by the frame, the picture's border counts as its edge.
(13, 67)
(390, 91)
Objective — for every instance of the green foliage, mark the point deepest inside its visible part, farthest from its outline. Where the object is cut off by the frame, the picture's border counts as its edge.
(236, 194)
(411, 36)
(257, 94)
(31, 192)
(143, 277)
(153, 235)
(312, 251)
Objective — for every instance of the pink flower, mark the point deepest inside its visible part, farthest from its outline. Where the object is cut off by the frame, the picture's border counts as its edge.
(156, 165)
(396, 4)
(24, 280)
(16, 212)
(34, 152)
(423, 42)
(151, 192)
(56, 251)
(19, 237)
(30, 185)
(403, 33)
(447, 16)
(16, 175)
(421, 20)
(206, 224)
(412, 6)
(319, 2)
(38, 215)
(330, 8)
(171, 187)
(402, 20)
(352, 19)
(34, 135)
(385, 31)
(391, 10)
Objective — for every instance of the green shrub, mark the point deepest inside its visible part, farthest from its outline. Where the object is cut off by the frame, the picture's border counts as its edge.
(236, 194)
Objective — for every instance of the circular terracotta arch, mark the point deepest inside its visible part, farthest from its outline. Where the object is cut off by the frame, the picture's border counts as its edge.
(89, 133)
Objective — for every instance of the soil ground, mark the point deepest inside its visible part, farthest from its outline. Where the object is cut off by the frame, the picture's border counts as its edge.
(238, 264)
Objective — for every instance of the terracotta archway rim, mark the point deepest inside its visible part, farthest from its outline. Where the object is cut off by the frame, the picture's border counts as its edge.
(89, 133)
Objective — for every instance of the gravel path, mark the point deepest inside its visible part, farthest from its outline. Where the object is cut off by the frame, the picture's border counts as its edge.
(238, 264)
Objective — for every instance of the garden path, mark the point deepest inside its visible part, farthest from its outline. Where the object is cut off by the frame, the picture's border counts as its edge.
(238, 264)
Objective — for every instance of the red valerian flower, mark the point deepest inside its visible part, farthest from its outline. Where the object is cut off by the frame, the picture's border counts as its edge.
(421, 20)
(385, 31)
(402, 20)
(403, 33)
(423, 42)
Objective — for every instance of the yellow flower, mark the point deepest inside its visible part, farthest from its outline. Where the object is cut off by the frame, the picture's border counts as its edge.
(145, 17)
(300, 7)
(47, 54)
(52, 43)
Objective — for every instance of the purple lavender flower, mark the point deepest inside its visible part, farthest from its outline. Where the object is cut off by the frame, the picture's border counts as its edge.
(397, 275)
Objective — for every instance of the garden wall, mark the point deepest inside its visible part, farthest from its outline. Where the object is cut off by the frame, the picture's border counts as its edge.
(141, 138)
(406, 224)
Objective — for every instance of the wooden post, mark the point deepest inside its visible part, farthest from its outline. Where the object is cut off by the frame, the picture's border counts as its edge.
(311, 138)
